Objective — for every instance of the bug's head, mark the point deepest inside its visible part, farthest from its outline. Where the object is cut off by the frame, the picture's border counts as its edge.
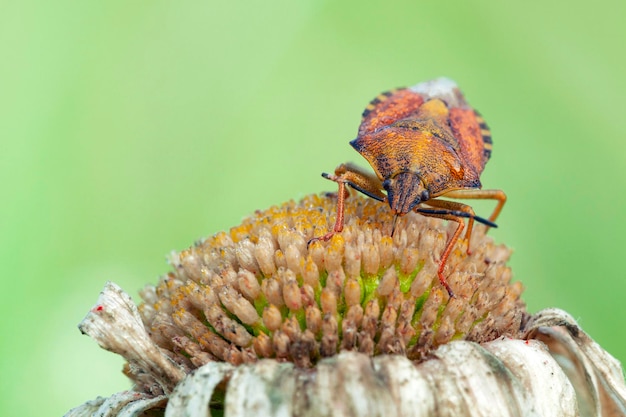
(405, 191)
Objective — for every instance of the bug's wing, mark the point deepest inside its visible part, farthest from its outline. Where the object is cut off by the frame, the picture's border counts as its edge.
(389, 107)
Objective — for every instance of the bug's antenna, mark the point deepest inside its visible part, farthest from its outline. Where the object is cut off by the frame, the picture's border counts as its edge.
(395, 220)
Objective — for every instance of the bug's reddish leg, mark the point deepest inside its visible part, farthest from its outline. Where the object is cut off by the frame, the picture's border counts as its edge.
(341, 198)
(362, 181)
(446, 253)
(456, 206)
(501, 197)
(481, 195)
(449, 246)
(358, 179)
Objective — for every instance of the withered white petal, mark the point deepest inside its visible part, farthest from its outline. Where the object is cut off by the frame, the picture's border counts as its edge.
(564, 374)
(409, 387)
(596, 376)
(543, 383)
(87, 409)
(116, 325)
(138, 406)
(192, 396)
(463, 379)
(267, 387)
(122, 404)
(348, 385)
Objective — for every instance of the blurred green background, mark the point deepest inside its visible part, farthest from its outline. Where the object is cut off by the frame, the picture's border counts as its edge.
(130, 129)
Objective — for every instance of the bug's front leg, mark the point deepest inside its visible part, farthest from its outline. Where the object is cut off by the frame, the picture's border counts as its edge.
(497, 195)
(449, 246)
(358, 179)
(341, 198)
(456, 206)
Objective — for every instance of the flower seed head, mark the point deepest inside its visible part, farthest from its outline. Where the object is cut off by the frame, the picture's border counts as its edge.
(259, 291)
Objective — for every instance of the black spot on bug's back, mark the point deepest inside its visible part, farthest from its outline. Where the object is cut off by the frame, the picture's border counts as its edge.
(376, 101)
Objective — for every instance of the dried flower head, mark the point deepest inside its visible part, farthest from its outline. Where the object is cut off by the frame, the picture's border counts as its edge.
(256, 321)
(260, 292)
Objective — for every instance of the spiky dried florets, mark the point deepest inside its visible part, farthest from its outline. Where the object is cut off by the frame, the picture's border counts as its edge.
(259, 291)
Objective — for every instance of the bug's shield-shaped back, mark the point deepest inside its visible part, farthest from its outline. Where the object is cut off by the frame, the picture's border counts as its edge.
(425, 130)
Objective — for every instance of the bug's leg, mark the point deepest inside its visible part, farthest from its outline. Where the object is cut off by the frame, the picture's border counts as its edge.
(481, 195)
(361, 180)
(456, 206)
(341, 198)
(449, 246)
(358, 179)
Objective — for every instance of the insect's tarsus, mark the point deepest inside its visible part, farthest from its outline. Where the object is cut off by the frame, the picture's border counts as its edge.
(395, 221)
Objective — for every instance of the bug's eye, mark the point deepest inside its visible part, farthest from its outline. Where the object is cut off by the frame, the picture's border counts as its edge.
(425, 196)
(386, 184)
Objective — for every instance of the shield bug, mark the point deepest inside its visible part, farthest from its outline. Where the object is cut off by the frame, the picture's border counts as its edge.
(423, 142)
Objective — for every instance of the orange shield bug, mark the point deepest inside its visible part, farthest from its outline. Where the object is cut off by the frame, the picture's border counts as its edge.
(423, 142)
